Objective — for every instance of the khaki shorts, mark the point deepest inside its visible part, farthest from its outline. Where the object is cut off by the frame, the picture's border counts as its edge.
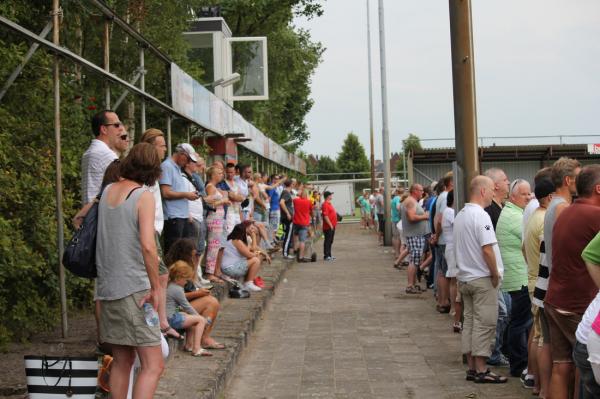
(480, 310)
(395, 232)
(562, 326)
(122, 322)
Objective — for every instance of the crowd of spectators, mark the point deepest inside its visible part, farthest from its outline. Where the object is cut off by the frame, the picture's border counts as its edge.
(518, 268)
(214, 225)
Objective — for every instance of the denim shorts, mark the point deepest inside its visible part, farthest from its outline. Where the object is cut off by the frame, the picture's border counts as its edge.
(176, 320)
(237, 270)
(301, 231)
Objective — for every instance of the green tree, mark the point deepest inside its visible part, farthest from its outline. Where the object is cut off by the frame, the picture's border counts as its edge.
(353, 157)
(411, 143)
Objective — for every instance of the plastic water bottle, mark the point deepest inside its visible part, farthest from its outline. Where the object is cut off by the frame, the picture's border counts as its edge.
(150, 315)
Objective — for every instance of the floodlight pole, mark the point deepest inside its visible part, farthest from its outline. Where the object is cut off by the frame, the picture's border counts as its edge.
(370, 100)
(56, 11)
(106, 51)
(387, 238)
(143, 88)
(465, 110)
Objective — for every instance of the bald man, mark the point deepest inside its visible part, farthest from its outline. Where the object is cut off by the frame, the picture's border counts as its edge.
(479, 274)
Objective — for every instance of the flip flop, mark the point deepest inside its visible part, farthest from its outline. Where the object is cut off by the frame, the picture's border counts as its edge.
(202, 353)
(216, 345)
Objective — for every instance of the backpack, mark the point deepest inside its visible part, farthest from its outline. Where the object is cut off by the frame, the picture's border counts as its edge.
(80, 253)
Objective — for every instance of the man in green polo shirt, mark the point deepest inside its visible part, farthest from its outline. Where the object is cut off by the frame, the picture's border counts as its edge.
(508, 232)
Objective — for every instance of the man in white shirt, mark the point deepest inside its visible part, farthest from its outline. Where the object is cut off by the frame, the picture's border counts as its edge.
(480, 271)
(110, 139)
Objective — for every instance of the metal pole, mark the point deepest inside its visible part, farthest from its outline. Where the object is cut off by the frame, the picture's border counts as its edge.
(463, 75)
(26, 59)
(125, 92)
(106, 48)
(370, 100)
(387, 238)
(56, 12)
(169, 146)
(143, 88)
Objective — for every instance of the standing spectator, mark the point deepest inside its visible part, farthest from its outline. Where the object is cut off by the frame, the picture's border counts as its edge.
(414, 226)
(539, 347)
(110, 138)
(515, 283)
(479, 274)
(195, 207)
(441, 266)
(156, 138)
(501, 184)
(286, 204)
(395, 214)
(128, 278)
(215, 220)
(175, 195)
(449, 255)
(380, 213)
(234, 211)
(274, 194)
(329, 224)
(301, 220)
(571, 288)
(564, 174)
(587, 349)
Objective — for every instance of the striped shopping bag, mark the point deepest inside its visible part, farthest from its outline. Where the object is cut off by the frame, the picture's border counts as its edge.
(54, 377)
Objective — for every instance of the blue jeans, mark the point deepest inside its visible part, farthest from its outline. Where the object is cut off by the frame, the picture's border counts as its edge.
(521, 321)
(503, 319)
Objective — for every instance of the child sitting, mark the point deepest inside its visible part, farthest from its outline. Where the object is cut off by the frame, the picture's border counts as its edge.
(179, 273)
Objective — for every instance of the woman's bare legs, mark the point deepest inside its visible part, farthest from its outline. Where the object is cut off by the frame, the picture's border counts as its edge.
(207, 306)
(123, 358)
(152, 366)
(253, 269)
(194, 325)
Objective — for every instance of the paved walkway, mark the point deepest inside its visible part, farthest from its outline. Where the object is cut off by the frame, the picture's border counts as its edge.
(347, 330)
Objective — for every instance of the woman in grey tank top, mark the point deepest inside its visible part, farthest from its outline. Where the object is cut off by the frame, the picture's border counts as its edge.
(127, 262)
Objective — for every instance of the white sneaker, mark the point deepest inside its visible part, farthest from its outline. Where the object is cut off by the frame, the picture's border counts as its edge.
(250, 286)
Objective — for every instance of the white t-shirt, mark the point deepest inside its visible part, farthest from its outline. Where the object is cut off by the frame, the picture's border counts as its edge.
(448, 225)
(473, 229)
(527, 212)
(195, 207)
(159, 218)
(94, 162)
(585, 325)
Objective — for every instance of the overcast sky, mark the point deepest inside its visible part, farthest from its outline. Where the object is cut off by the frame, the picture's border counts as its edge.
(537, 68)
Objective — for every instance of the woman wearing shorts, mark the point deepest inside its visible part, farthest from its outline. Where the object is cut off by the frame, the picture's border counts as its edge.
(128, 278)
(238, 260)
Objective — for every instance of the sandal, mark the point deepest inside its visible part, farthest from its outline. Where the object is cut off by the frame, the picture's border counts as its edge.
(202, 353)
(457, 327)
(412, 290)
(216, 345)
(443, 309)
(489, 378)
(169, 332)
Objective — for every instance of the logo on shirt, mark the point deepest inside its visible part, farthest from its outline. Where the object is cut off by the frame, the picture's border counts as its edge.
(487, 227)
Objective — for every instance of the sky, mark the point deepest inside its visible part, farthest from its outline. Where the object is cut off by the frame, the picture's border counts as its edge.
(537, 72)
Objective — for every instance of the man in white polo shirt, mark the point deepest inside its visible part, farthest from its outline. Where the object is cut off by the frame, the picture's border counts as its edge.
(480, 271)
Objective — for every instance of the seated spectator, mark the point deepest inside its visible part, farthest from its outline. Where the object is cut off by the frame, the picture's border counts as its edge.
(200, 298)
(239, 261)
(193, 323)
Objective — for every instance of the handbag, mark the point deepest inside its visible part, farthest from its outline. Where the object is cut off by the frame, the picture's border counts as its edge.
(61, 377)
(79, 256)
(339, 217)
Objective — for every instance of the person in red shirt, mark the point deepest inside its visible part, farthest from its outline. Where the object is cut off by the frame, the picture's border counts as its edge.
(329, 223)
(301, 220)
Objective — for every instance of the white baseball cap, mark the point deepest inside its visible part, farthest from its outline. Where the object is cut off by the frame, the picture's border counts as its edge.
(189, 150)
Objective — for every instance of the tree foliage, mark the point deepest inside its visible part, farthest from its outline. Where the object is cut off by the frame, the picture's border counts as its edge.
(353, 157)
(411, 143)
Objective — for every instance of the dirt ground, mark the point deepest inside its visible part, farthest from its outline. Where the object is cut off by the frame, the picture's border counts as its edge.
(81, 341)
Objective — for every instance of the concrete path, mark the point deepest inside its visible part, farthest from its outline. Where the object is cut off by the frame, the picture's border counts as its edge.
(347, 330)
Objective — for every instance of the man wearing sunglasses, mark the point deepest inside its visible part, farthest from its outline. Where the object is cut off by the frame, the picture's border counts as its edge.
(110, 139)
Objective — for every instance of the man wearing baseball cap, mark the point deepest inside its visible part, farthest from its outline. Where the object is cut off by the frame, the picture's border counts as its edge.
(173, 189)
(329, 223)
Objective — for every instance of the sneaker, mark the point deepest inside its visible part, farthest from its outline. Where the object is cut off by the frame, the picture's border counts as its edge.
(329, 259)
(523, 375)
(529, 382)
(289, 257)
(259, 282)
(502, 362)
(250, 286)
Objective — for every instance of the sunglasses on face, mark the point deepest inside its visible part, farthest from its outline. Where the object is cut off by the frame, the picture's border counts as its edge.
(116, 124)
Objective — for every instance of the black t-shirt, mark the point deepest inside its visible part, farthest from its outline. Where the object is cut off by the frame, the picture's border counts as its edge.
(494, 211)
(286, 196)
